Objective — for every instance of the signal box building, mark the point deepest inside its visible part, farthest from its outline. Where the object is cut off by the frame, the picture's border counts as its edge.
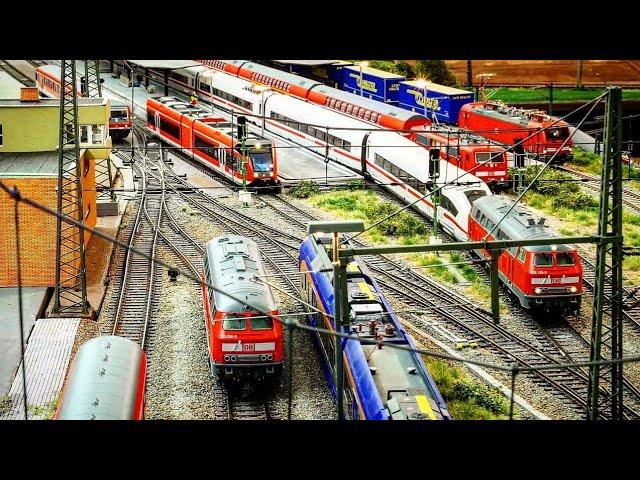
(29, 131)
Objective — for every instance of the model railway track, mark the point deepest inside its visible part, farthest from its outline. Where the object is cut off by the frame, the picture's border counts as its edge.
(275, 253)
(591, 183)
(17, 74)
(420, 292)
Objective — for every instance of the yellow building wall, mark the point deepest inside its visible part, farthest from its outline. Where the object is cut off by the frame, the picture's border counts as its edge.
(35, 128)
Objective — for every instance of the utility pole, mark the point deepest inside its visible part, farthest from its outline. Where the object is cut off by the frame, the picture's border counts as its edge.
(579, 76)
(434, 173)
(93, 89)
(606, 328)
(70, 295)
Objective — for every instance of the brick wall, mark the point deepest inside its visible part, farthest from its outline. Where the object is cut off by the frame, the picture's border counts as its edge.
(38, 229)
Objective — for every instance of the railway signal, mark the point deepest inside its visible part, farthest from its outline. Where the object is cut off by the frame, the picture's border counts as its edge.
(434, 173)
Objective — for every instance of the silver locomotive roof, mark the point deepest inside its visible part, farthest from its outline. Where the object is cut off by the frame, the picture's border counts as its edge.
(232, 262)
(520, 223)
(103, 380)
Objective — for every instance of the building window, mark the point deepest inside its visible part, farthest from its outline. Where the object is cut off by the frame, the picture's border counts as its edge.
(84, 134)
(1, 137)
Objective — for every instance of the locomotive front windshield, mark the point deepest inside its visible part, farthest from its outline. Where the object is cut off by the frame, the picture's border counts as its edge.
(261, 323)
(234, 322)
(261, 159)
(557, 133)
(473, 195)
(543, 260)
(492, 157)
(119, 115)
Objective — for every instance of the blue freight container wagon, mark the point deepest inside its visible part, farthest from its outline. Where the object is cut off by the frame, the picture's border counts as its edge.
(376, 84)
(443, 102)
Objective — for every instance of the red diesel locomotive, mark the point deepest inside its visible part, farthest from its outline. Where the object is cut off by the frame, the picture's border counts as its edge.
(214, 142)
(48, 83)
(543, 135)
(244, 344)
(543, 278)
(467, 151)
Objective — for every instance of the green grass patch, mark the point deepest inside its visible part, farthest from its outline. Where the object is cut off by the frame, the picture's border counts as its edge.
(541, 94)
(366, 205)
(466, 398)
(5, 403)
(47, 411)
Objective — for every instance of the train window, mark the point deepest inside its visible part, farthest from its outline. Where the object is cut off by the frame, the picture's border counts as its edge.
(346, 145)
(150, 118)
(565, 258)
(204, 87)
(205, 146)
(542, 260)
(261, 323)
(367, 115)
(332, 102)
(232, 322)
(455, 151)
(423, 140)
(170, 128)
(522, 253)
(448, 205)
(375, 117)
(557, 133)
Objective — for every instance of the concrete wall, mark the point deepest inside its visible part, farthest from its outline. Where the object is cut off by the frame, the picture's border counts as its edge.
(38, 229)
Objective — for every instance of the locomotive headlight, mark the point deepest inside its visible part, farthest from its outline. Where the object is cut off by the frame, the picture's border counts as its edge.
(537, 290)
(226, 358)
(573, 289)
(269, 357)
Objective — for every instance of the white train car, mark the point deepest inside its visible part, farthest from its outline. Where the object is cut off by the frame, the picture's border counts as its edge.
(399, 164)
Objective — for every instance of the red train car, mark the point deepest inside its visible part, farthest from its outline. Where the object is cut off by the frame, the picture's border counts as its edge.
(214, 142)
(543, 278)
(48, 83)
(467, 151)
(507, 125)
(106, 381)
(243, 344)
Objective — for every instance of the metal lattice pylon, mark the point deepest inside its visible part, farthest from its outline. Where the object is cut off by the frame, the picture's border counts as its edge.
(93, 89)
(605, 381)
(70, 296)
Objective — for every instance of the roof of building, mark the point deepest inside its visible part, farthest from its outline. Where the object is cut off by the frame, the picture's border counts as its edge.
(9, 86)
(50, 102)
(39, 164)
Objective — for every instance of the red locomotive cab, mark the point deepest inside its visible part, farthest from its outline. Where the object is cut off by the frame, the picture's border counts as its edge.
(542, 278)
(553, 139)
(246, 340)
(553, 271)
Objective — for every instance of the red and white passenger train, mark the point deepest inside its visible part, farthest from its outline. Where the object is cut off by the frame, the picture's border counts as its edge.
(48, 83)
(214, 142)
(398, 163)
(243, 344)
(543, 135)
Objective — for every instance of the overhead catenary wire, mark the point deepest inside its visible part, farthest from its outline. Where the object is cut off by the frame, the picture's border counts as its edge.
(409, 205)
(532, 182)
(293, 324)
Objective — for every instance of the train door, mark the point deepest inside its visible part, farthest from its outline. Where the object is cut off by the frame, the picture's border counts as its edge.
(364, 154)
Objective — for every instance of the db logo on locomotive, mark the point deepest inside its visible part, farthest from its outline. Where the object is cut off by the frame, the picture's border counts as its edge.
(248, 347)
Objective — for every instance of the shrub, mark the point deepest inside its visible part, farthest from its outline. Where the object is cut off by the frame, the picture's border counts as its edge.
(575, 201)
(305, 189)
(356, 185)
(487, 397)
